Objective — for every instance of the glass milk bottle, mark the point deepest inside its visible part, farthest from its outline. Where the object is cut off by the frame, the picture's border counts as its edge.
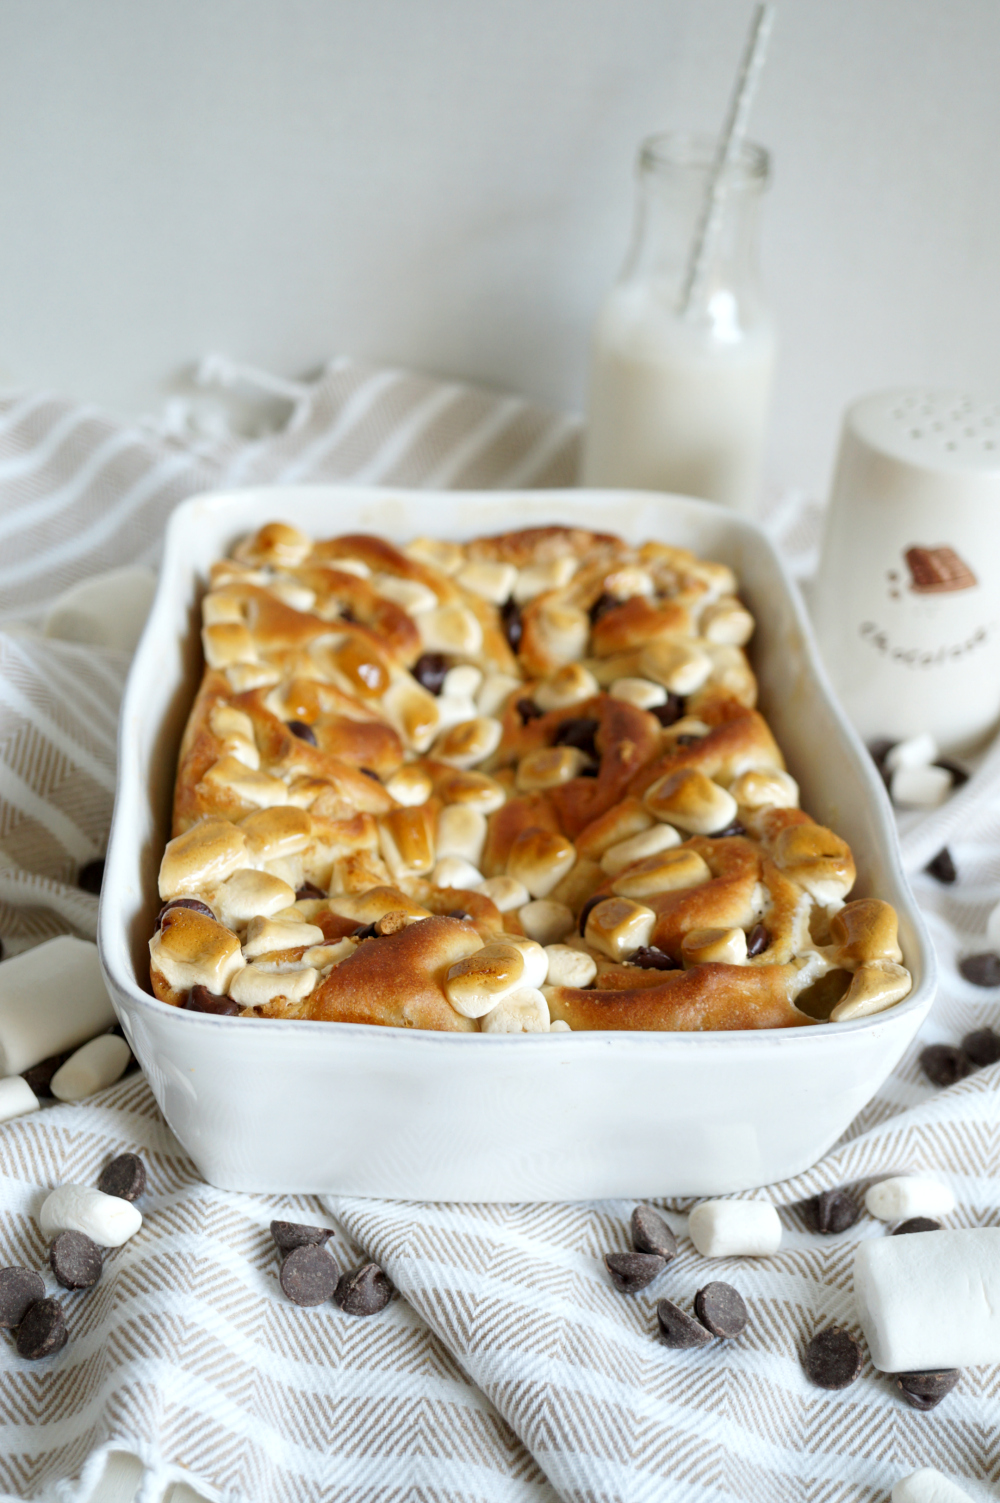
(678, 399)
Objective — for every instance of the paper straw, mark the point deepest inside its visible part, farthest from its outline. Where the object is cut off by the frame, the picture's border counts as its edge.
(706, 236)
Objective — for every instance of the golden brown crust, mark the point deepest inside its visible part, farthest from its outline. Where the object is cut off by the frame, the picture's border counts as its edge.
(713, 997)
(366, 987)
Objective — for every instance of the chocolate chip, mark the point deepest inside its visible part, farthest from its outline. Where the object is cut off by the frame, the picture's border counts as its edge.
(832, 1359)
(982, 1047)
(601, 897)
(632, 1271)
(981, 970)
(917, 1224)
(200, 999)
(364, 931)
(678, 1329)
(76, 1261)
(942, 867)
(758, 940)
(958, 773)
(308, 1275)
(721, 1310)
(19, 1288)
(303, 732)
(125, 1177)
(670, 712)
(651, 1234)
(429, 670)
(592, 771)
(734, 829)
(90, 877)
(308, 890)
(459, 913)
(943, 1064)
(926, 1390)
(42, 1331)
(39, 1077)
(833, 1211)
(650, 958)
(195, 905)
(601, 606)
(510, 621)
(528, 710)
(366, 1291)
(289, 1234)
(579, 731)
(369, 772)
(688, 740)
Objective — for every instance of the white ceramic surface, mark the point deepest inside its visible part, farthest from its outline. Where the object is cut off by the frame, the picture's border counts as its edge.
(294, 1106)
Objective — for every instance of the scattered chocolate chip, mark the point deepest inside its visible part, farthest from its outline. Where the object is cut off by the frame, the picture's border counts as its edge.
(366, 1291)
(632, 1271)
(528, 710)
(309, 1275)
(579, 731)
(591, 771)
(588, 905)
(125, 1177)
(601, 606)
(90, 877)
(76, 1260)
(289, 1234)
(943, 1064)
(651, 1234)
(39, 1077)
(650, 958)
(195, 905)
(369, 772)
(200, 999)
(303, 732)
(459, 913)
(686, 739)
(19, 1288)
(942, 867)
(832, 1359)
(670, 712)
(364, 931)
(917, 1224)
(734, 829)
(721, 1310)
(926, 1390)
(678, 1329)
(758, 940)
(42, 1331)
(833, 1211)
(981, 970)
(958, 773)
(308, 890)
(346, 614)
(510, 621)
(982, 1047)
(429, 670)
(391, 922)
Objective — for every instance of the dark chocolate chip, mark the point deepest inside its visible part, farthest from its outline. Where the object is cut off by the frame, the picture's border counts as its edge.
(429, 670)
(303, 732)
(758, 940)
(651, 1234)
(734, 829)
(650, 958)
(721, 1310)
(579, 731)
(39, 1077)
(832, 1359)
(195, 905)
(982, 1047)
(364, 931)
(601, 606)
(90, 877)
(686, 739)
(926, 1390)
(42, 1331)
(670, 712)
(678, 1329)
(366, 1291)
(592, 771)
(981, 970)
(833, 1211)
(19, 1288)
(632, 1271)
(588, 905)
(289, 1234)
(943, 1064)
(125, 1177)
(528, 710)
(958, 773)
(917, 1224)
(459, 913)
(510, 621)
(308, 890)
(200, 999)
(942, 867)
(369, 772)
(76, 1261)
(308, 1275)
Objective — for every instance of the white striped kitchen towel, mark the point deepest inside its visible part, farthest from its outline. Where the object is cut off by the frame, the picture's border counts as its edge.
(509, 1369)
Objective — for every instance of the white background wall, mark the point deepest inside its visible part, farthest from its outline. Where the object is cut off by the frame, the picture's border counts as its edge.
(447, 184)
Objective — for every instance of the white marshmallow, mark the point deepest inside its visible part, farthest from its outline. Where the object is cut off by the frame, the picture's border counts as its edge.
(16, 1098)
(927, 1486)
(546, 921)
(495, 691)
(107, 1219)
(647, 843)
(461, 831)
(454, 871)
(908, 1195)
(569, 967)
(51, 998)
(536, 960)
(930, 1300)
(641, 692)
(462, 681)
(917, 751)
(993, 927)
(521, 1011)
(920, 787)
(735, 1229)
(98, 1064)
(108, 610)
(506, 892)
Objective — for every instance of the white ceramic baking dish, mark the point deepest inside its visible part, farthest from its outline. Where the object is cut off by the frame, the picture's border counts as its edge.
(299, 1106)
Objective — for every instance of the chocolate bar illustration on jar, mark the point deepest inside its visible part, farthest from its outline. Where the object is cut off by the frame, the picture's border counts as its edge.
(938, 571)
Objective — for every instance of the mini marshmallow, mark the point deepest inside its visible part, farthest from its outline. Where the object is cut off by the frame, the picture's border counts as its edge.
(993, 927)
(98, 1064)
(908, 1195)
(647, 843)
(536, 960)
(928, 1486)
(506, 892)
(920, 787)
(455, 871)
(521, 1011)
(535, 579)
(51, 998)
(495, 691)
(462, 681)
(569, 686)
(545, 920)
(488, 579)
(266, 934)
(461, 831)
(641, 692)
(410, 786)
(569, 967)
(931, 1300)
(917, 751)
(16, 1098)
(477, 983)
(413, 596)
(106, 1219)
(255, 987)
(735, 1229)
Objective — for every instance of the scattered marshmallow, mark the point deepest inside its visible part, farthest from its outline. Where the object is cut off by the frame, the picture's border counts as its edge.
(920, 787)
(931, 1300)
(51, 998)
(993, 927)
(570, 967)
(506, 892)
(907, 1195)
(735, 1229)
(927, 1486)
(455, 871)
(106, 1219)
(918, 751)
(96, 1065)
(545, 920)
(16, 1098)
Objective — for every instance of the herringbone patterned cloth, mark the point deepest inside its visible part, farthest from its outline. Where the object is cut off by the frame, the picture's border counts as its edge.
(508, 1369)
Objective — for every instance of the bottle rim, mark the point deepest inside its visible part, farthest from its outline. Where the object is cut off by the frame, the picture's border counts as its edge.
(670, 152)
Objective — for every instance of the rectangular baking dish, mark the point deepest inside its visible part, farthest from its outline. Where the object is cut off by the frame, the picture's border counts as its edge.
(269, 1105)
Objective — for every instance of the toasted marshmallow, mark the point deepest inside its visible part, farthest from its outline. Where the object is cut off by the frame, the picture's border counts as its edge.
(540, 859)
(764, 788)
(207, 853)
(522, 1011)
(546, 921)
(618, 927)
(665, 872)
(413, 596)
(190, 949)
(623, 584)
(563, 631)
(678, 666)
(728, 622)
(477, 983)
(474, 790)
(221, 606)
(876, 985)
(495, 691)
(274, 834)
(550, 767)
(536, 579)
(244, 783)
(448, 557)
(818, 860)
(488, 579)
(462, 681)
(411, 711)
(647, 843)
(406, 841)
(473, 741)
(242, 677)
(866, 929)
(569, 685)
(227, 642)
(621, 822)
(411, 785)
(506, 893)
(724, 946)
(278, 544)
(265, 935)
(235, 730)
(254, 986)
(691, 801)
(641, 692)
(250, 894)
(450, 628)
(454, 871)
(570, 967)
